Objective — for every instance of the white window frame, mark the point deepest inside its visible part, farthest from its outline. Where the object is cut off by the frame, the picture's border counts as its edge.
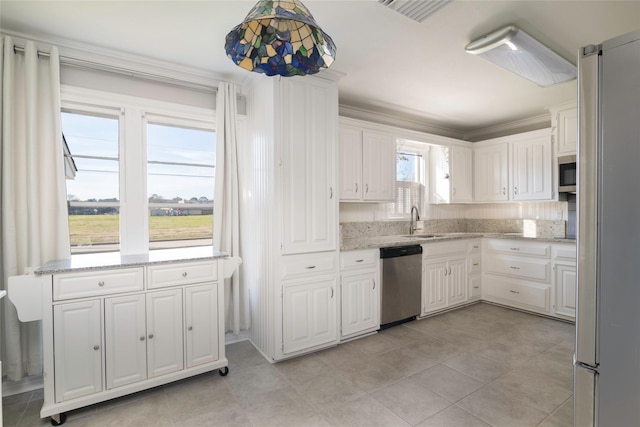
(133, 112)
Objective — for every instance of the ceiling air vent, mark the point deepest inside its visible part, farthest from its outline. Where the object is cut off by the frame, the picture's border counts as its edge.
(418, 10)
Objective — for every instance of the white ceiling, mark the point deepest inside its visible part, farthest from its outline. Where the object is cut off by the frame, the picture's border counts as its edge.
(391, 64)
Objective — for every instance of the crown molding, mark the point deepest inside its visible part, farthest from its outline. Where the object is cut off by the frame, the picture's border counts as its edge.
(398, 121)
(518, 126)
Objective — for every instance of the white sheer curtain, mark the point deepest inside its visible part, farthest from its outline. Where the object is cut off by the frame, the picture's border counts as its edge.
(34, 228)
(226, 213)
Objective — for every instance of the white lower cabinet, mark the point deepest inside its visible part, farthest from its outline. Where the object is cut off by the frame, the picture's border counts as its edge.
(360, 292)
(78, 349)
(445, 278)
(309, 314)
(565, 284)
(125, 339)
(164, 332)
(434, 286)
(140, 339)
(201, 324)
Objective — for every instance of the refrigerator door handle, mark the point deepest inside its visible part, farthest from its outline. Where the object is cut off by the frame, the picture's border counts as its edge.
(588, 206)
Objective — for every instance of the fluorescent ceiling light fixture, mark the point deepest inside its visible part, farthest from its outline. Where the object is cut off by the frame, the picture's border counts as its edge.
(518, 52)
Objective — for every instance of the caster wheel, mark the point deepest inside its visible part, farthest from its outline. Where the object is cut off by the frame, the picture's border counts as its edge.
(63, 418)
(224, 371)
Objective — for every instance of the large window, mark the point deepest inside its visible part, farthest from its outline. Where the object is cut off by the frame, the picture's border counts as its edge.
(142, 175)
(410, 178)
(93, 195)
(180, 184)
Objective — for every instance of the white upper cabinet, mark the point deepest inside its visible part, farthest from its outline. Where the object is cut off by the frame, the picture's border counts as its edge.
(350, 163)
(516, 167)
(564, 121)
(310, 194)
(531, 162)
(461, 174)
(367, 165)
(491, 172)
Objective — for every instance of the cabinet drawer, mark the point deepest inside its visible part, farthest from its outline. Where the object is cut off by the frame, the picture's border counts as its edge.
(519, 267)
(162, 276)
(89, 284)
(564, 252)
(475, 282)
(433, 250)
(475, 264)
(359, 259)
(300, 265)
(517, 247)
(474, 246)
(526, 295)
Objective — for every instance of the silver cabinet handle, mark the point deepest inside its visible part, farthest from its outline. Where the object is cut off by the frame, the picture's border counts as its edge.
(150, 336)
(514, 292)
(476, 287)
(374, 283)
(184, 274)
(514, 268)
(190, 328)
(515, 191)
(449, 271)
(515, 249)
(332, 292)
(366, 188)
(101, 283)
(330, 192)
(359, 260)
(311, 267)
(142, 338)
(96, 347)
(475, 264)
(504, 191)
(356, 187)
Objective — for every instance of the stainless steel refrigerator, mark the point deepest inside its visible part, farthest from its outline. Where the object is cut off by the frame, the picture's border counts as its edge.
(607, 357)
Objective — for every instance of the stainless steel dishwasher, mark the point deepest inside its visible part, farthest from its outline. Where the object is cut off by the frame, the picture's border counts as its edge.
(401, 284)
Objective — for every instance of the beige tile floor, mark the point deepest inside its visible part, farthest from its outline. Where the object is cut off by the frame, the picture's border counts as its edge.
(482, 365)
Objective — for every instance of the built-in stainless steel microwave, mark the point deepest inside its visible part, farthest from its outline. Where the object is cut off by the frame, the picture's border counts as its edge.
(567, 174)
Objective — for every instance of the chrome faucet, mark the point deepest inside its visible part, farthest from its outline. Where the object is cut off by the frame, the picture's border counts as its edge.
(412, 227)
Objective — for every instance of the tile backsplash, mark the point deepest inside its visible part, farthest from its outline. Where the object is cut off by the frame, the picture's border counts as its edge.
(528, 227)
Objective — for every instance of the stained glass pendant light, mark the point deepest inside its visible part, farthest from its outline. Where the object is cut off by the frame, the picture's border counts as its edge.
(280, 37)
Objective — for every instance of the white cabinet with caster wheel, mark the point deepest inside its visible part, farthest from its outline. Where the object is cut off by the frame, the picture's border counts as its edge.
(125, 327)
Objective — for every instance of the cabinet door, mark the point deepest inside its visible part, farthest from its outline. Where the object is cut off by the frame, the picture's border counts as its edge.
(164, 332)
(565, 285)
(461, 174)
(201, 324)
(350, 163)
(491, 173)
(532, 175)
(309, 120)
(567, 132)
(457, 281)
(309, 311)
(434, 286)
(360, 296)
(125, 340)
(78, 349)
(440, 174)
(378, 166)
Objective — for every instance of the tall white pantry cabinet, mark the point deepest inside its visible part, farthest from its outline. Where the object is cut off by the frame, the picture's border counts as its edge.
(292, 240)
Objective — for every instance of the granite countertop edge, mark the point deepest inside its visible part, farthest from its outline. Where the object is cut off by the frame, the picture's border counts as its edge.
(390, 241)
(114, 260)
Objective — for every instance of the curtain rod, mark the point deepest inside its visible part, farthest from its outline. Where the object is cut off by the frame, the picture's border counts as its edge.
(83, 63)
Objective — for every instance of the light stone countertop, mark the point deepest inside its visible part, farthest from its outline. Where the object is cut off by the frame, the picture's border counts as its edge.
(417, 239)
(111, 260)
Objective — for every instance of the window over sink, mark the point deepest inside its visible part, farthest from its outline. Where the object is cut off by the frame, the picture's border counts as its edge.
(411, 178)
